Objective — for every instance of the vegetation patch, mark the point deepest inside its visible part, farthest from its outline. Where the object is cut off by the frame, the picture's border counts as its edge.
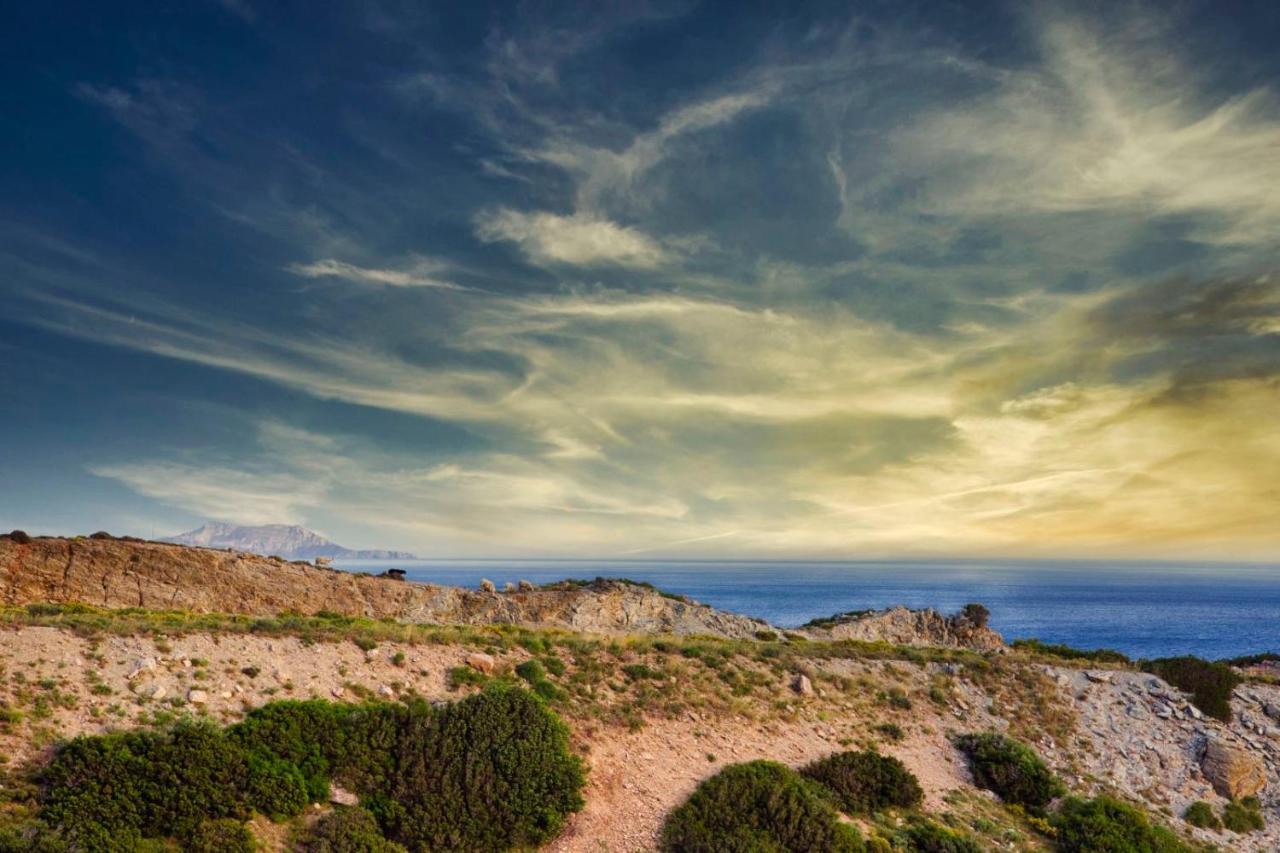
(927, 836)
(758, 806)
(491, 772)
(866, 782)
(347, 830)
(1107, 825)
(1241, 816)
(1200, 814)
(1209, 683)
(1010, 769)
(1065, 652)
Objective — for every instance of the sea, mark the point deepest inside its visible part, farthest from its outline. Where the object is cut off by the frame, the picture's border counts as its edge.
(1217, 610)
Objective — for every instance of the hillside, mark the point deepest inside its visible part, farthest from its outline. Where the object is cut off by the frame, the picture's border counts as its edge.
(102, 634)
(289, 541)
(133, 573)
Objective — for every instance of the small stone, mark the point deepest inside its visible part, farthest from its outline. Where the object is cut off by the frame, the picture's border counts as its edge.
(140, 666)
(481, 662)
(336, 692)
(384, 690)
(197, 697)
(1098, 677)
(802, 685)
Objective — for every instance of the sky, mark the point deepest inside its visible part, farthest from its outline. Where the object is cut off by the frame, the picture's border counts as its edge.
(827, 280)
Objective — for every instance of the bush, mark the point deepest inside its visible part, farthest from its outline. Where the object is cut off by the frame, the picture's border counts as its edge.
(531, 671)
(347, 830)
(1201, 814)
(977, 614)
(554, 665)
(1059, 650)
(20, 537)
(101, 534)
(491, 772)
(145, 785)
(865, 782)
(309, 734)
(1241, 816)
(758, 806)
(1209, 683)
(222, 836)
(277, 788)
(929, 837)
(1107, 825)
(1010, 769)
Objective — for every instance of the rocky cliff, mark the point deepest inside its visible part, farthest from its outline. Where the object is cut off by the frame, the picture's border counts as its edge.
(907, 627)
(133, 573)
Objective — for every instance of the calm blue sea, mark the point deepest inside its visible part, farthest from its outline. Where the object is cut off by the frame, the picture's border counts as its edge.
(1145, 610)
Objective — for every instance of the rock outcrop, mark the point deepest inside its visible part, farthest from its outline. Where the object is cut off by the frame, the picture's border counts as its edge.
(1233, 772)
(907, 627)
(132, 573)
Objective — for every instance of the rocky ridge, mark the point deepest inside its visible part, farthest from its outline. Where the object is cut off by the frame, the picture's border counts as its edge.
(110, 572)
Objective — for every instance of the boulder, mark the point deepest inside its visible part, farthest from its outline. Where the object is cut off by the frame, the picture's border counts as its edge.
(802, 685)
(1233, 772)
(481, 662)
(197, 697)
(342, 797)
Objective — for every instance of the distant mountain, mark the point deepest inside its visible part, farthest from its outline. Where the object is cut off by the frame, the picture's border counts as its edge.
(282, 540)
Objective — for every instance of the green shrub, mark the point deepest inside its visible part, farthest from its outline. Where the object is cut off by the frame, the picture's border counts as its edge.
(531, 671)
(1107, 825)
(892, 731)
(222, 836)
(865, 782)
(145, 784)
(1241, 816)
(277, 788)
(1070, 653)
(1201, 814)
(758, 806)
(20, 537)
(463, 676)
(309, 734)
(491, 772)
(347, 830)
(554, 665)
(977, 614)
(640, 671)
(1209, 683)
(1011, 769)
(926, 836)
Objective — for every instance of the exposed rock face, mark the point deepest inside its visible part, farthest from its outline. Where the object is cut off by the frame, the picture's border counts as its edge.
(1233, 772)
(130, 573)
(908, 627)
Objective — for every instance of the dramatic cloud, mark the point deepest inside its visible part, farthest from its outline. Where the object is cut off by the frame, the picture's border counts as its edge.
(826, 286)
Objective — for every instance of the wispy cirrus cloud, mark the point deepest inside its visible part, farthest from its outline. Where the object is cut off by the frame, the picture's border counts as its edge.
(422, 273)
(578, 239)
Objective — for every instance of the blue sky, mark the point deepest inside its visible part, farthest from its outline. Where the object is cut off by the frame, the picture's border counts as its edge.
(662, 279)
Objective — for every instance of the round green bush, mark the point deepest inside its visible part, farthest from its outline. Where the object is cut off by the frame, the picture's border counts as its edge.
(347, 830)
(865, 782)
(310, 734)
(491, 772)
(758, 806)
(1010, 769)
(1108, 825)
(1201, 814)
(929, 837)
(222, 836)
